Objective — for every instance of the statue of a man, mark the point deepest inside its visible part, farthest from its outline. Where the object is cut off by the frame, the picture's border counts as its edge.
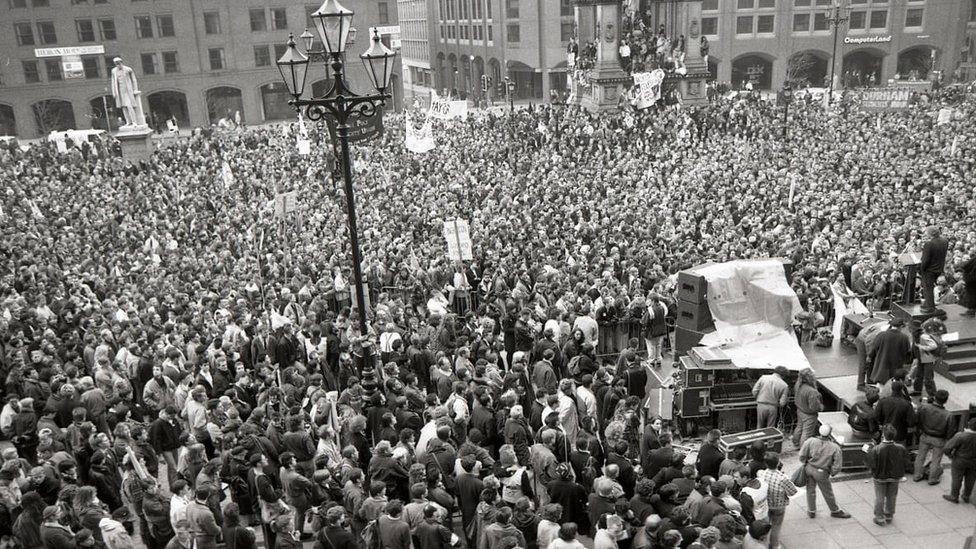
(125, 90)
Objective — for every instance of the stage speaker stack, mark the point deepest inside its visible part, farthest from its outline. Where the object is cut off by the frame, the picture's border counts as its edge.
(694, 320)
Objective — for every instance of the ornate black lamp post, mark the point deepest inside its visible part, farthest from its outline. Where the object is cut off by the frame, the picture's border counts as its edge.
(333, 22)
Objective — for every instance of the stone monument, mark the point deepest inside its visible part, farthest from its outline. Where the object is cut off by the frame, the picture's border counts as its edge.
(134, 135)
(598, 21)
(683, 17)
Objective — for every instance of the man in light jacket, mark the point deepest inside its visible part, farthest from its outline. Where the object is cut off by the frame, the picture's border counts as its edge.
(771, 392)
(822, 458)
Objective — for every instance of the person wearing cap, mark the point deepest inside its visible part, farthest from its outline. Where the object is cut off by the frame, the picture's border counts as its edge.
(822, 458)
(771, 392)
(932, 265)
(55, 535)
(892, 351)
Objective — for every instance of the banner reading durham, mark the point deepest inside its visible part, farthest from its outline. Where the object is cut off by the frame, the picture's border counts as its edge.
(647, 88)
(444, 109)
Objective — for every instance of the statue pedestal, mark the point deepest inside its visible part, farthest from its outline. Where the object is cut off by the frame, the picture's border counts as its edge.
(136, 142)
(692, 85)
(606, 86)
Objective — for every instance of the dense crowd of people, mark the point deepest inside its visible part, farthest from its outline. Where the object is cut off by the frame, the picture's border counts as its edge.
(178, 355)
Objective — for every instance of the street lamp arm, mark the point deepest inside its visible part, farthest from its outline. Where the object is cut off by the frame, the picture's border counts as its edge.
(341, 106)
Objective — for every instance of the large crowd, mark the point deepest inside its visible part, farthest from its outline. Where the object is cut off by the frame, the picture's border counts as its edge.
(178, 355)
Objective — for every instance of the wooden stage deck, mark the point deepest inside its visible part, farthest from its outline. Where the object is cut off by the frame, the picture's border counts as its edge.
(836, 369)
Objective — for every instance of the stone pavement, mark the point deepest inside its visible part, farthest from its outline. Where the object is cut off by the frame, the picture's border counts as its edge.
(923, 520)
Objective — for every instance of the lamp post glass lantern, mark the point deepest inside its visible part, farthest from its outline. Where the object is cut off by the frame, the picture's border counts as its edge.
(333, 22)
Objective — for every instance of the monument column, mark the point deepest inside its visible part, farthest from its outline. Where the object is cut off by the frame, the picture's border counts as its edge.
(692, 84)
(606, 80)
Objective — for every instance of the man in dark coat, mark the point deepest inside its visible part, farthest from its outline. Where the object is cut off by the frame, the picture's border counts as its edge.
(892, 351)
(571, 496)
(896, 410)
(469, 488)
(710, 456)
(968, 297)
(932, 265)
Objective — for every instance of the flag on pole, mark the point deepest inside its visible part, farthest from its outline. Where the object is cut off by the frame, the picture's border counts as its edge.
(879, 122)
(35, 211)
(789, 203)
(955, 146)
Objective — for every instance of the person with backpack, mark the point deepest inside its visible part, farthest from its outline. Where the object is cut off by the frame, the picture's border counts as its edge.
(931, 352)
(335, 535)
(863, 418)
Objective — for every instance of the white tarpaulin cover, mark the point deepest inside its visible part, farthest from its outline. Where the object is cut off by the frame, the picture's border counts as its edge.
(753, 307)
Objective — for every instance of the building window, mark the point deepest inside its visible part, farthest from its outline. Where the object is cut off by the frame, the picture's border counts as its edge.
(913, 17)
(53, 69)
(100, 2)
(18, 3)
(464, 9)
(40, 3)
(262, 56)
(31, 74)
(512, 9)
(259, 22)
(25, 34)
(211, 22)
(879, 19)
(149, 63)
(384, 13)
(46, 32)
(801, 22)
(820, 22)
(464, 32)
(767, 3)
(490, 33)
(566, 7)
(217, 61)
(90, 65)
(972, 10)
(743, 24)
(165, 25)
(144, 26)
(801, 3)
(279, 18)
(279, 50)
(513, 33)
(86, 30)
(745, 4)
(107, 28)
(709, 26)
(709, 5)
(765, 24)
(565, 31)
(859, 20)
(171, 63)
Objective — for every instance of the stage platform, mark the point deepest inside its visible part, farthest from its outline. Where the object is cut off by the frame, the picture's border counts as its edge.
(836, 369)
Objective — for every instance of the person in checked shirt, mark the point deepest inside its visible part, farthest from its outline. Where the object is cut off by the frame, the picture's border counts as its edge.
(822, 459)
(781, 488)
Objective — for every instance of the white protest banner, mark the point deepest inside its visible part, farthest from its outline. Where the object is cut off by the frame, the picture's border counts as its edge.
(457, 233)
(789, 204)
(285, 203)
(647, 88)
(418, 140)
(945, 116)
(955, 146)
(304, 146)
(226, 175)
(443, 108)
(62, 145)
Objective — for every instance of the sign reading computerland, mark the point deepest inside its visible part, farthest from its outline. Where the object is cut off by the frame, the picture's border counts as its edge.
(884, 99)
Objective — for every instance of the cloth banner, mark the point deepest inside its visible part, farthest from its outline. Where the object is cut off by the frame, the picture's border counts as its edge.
(443, 108)
(753, 306)
(945, 116)
(647, 88)
(226, 174)
(418, 140)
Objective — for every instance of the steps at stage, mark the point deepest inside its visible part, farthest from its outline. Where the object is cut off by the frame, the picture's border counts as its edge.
(960, 361)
